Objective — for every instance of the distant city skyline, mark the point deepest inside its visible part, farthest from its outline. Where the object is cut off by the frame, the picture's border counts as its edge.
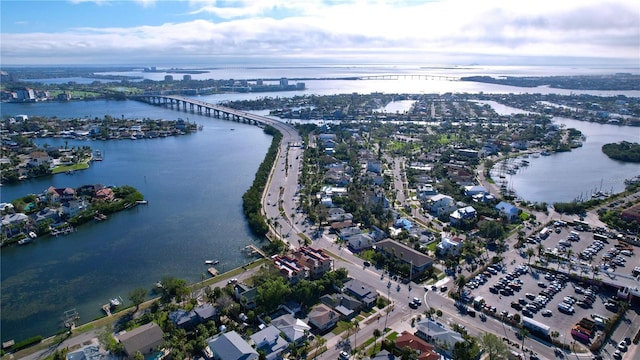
(263, 32)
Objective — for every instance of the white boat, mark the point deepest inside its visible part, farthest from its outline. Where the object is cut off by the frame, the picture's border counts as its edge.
(211, 262)
(117, 301)
(32, 235)
(24, 241)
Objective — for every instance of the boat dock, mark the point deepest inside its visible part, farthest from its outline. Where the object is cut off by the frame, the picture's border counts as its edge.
(254, 250)
(213, 271)
(107, 309)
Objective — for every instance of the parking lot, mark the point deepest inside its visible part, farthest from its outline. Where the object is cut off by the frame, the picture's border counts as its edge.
(549, 296)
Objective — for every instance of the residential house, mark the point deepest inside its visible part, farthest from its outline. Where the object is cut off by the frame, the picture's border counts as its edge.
(425, 350)
(472, 190)
(73, 207)
(450, 246)
(294, 330)
(12, 223)
(441, 205)
(269, 341)
(426, 191)
(418, 261)
(38, 158)
(508, 210)
(46, 214)
(347, 306)
(384, 355)
(246, 295)
(347, 232)
(105, 194)
(231, 346)
(315, 261)
(145, 339)
(436, 333)
(361, 291)
(291, 268)
(374, 166)
(323, 317)
(186, 320)
(59, 195)
(359, 242)
(459, 216)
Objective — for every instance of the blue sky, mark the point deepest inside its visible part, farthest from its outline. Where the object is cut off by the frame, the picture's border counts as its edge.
(198, 32)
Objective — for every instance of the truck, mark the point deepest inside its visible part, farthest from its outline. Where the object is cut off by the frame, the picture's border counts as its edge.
(544, 233)
(536, 327)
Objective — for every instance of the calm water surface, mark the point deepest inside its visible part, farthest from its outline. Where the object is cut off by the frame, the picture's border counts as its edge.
(194, 184)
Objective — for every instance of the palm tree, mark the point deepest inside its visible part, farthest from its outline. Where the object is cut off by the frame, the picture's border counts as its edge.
(523, 333)
(461, 281)
(376, 335)
(356, 325)
(530, 252)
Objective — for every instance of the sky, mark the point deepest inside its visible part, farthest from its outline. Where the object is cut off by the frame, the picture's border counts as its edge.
(261, 32)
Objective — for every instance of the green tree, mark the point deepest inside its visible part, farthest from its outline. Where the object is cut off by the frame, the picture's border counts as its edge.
(137, 296)
(272, 293)
(493, 346)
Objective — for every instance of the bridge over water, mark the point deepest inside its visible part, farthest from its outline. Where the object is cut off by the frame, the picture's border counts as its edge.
(408, 77)
(181, 103)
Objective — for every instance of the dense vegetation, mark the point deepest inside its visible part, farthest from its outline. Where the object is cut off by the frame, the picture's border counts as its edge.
(251, 200)
(623, 151)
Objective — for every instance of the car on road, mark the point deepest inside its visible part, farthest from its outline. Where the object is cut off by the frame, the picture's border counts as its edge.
(366, 263)
(622, 346)
(443, 288)
(343, 355)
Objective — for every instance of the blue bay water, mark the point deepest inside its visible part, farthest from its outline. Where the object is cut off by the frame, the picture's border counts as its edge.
(194, 185)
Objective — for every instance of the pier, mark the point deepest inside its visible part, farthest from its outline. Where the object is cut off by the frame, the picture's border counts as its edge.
(253, 250)
(107, 309)
(213, 271)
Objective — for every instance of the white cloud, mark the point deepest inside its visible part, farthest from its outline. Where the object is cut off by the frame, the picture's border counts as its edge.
(305, 28)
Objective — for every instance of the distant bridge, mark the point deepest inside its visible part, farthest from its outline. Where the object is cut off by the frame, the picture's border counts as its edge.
(208, 109)
(409, 77)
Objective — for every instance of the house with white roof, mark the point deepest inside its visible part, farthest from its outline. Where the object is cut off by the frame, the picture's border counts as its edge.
(270, 342)
(450, 246)
(441, 205)
(457, 217)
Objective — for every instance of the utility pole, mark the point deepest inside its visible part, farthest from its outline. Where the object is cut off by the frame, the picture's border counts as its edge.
(389, 306)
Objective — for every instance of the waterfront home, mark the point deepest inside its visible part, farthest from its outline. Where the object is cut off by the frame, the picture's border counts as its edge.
(361, 291)
(46, 214)
(511, 212)
(145, 339)
(73, 207)
(323, 317)
(230, 346)
(418, 261)
(105, 194)
(59, 195)
(294, 330)
(269, 341)
(38, 158)
(12, 223)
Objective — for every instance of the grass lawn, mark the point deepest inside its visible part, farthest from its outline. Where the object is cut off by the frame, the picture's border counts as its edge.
(340, 327)
(74, 167)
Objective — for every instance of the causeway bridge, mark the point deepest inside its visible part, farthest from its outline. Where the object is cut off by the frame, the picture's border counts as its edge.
(181, 103)
(408, 77)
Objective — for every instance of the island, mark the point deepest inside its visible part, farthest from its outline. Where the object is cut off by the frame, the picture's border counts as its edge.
(57, 211)
(623, 151)
(24, 159)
